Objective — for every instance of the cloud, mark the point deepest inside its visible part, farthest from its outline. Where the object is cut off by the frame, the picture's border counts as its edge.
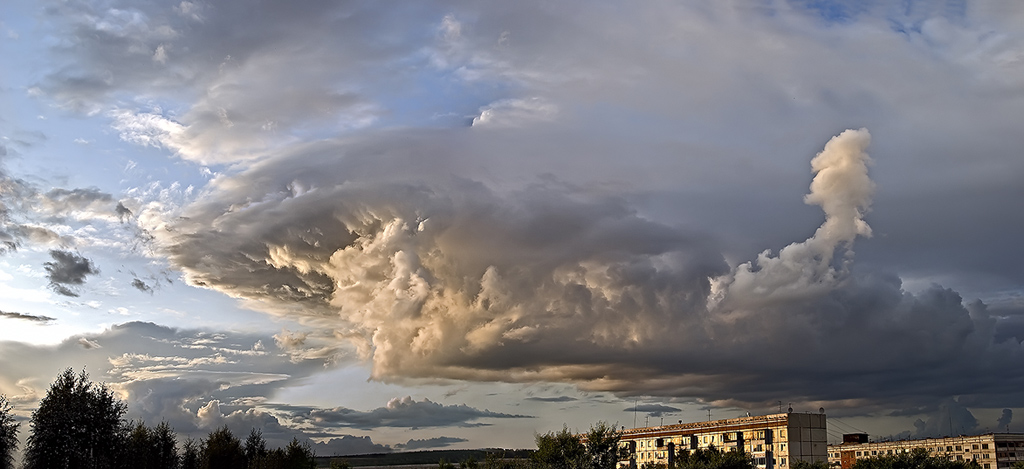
(67, 271)
(1004, 419)
(28, 317)
(141, 286)
(195, 380)
(552, 399)
(430, 276)
(404, 412)
(600, 224)
(515, 112)
(654, 410)
(437, 442)
(348, 445)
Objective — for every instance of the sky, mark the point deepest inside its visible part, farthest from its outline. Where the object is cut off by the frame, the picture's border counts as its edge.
(421, 225)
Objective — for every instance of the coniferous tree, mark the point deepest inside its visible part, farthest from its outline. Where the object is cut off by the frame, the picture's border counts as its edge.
(299, 455)
(256, 450)
(190, 454)
(139, 448)
(8, 434)
(77, 425)
(165, 446)
(222, 450)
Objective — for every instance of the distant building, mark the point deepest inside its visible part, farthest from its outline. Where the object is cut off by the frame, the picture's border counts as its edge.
(774, 441)
(990, 451)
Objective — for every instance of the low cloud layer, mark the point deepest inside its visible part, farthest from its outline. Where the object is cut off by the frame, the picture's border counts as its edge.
(27, 317)
(198, 381)
(404, 412)
(438, 442)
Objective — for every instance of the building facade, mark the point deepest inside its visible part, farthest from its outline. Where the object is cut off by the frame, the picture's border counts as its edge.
(774, 441)
(990, 451)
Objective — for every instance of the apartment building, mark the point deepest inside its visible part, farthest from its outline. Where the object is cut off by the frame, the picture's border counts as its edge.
(774, 441)
(990, 451)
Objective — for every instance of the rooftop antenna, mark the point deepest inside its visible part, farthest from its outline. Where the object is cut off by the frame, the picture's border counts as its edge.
(780, 407)
(709, 414)
(635, 403)
(790, 407)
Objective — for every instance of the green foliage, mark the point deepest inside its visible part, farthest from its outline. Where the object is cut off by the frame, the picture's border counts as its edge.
(442, 464)
(340, 464)
(918, 458)
(503, 460)
(222, 450)
(139, 447)
(603, 446)
(469, 463)
(801, 464)
(560, 450)
(256, 450)
(599, 449)
(190, 454)
(299, 455)
(78, 424)
(8, 434)
(713, 458)
(165, 447)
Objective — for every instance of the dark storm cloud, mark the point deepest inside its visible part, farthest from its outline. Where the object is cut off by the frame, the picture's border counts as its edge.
(434, 276)
(404, 412)
(67, 271)
(438, 442)
(27, 317)
(624, 213)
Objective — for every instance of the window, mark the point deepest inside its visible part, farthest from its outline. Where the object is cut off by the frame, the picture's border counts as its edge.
(858, 453)
(984, 446)
(873, 452)
(782, 461)
(988, 466)
(959, 457)
(959, 448)
(974, 446)
(949, 448)
(985, 456)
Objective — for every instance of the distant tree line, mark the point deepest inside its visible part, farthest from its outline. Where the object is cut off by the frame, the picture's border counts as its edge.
(81, 425)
